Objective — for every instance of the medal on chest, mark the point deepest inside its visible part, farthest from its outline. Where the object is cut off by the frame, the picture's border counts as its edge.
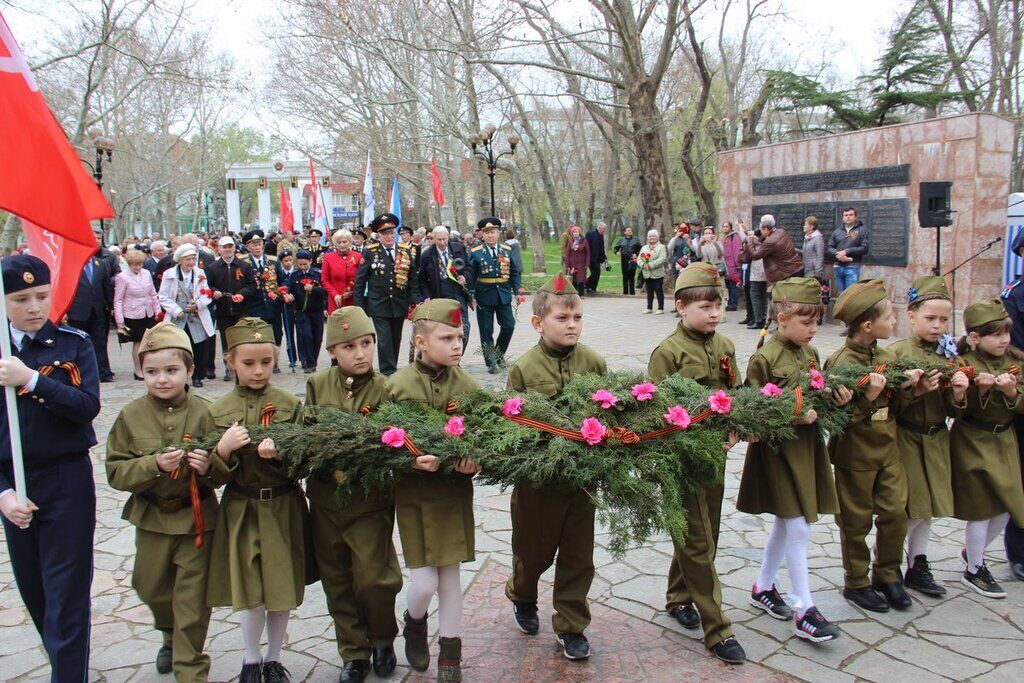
(402, 262)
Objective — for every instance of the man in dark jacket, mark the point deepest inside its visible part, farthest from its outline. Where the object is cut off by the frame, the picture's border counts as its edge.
(598, 256)
(442, 274)
(628, 249)
(1013, 300)
(234, 285)
(91, 308)
(775, 248)
(847, 246)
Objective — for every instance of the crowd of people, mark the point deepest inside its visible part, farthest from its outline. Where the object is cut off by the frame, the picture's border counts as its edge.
(258, 545)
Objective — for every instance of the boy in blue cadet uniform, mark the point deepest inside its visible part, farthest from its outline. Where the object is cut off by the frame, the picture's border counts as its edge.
(494, 279)
(50, 538)
(310, 303)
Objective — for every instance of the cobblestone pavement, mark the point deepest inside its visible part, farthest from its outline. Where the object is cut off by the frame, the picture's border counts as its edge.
(961, 637)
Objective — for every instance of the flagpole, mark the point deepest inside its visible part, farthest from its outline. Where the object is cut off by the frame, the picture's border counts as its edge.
(11, 398)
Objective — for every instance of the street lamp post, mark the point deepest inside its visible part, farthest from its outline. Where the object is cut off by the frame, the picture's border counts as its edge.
(486, 138)
(103, 145)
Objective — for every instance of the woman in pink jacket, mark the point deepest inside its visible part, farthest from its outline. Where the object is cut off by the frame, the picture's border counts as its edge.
(135, 304)
(577, 258)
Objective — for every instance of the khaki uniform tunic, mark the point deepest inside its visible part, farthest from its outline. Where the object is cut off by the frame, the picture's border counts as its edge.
(792, 478)
(926, 456)
(870, 479)
(546, 521)
(434, 509)
(986, 465)
(692, 577)
(354, 552)
(170, 573)
(258, 556)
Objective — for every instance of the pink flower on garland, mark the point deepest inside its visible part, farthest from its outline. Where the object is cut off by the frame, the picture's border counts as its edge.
(606, 398)
(513, 406)
(678, 416)
(720, 402)
(817, 380)
(593, 431)
(644, 392)
(394, 437)
(771, 390)
(455, 425)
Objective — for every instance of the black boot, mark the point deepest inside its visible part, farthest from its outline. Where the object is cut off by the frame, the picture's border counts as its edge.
(384, 661)
(416, 649)
(355, 671)
(866, 598)
(919, 577)
(449, 660)
(894, 594)
(164, 658)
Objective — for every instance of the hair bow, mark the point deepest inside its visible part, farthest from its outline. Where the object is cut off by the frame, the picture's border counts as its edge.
(947, 346)
(912, 295)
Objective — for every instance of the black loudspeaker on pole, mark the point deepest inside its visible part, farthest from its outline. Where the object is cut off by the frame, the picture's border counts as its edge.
(934, 211)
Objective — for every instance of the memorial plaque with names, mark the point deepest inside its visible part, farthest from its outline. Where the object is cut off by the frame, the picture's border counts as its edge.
(888, 220)
(826, 181)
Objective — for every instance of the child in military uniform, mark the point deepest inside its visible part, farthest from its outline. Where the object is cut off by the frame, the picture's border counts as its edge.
(547, 368)
(167, 482)
(49, 533)
(986, 471)
(309, 304)
(697, 351)
(870, 479)
(791, 480)
(258, 561)
(923, 437)
(356, 557)
(435, 510)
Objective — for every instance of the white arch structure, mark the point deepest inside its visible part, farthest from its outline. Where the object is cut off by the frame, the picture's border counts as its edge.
(295, 175)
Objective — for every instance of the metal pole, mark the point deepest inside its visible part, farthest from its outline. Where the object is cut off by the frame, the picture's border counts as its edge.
(98, 175)
(491, 165)
(13, 424)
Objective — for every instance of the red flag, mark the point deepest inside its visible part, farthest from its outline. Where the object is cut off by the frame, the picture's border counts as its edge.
(287, 217)
(435, 176)
(42, 179)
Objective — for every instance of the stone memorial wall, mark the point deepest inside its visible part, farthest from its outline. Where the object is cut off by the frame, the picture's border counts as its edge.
(877, 171)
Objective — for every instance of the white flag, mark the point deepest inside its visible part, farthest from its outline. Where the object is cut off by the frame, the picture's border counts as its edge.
(369, 210)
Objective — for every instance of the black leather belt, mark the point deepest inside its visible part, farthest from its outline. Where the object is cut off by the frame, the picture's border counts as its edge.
(921, 429)
(993, 427)
(263, 494)
(172, 505)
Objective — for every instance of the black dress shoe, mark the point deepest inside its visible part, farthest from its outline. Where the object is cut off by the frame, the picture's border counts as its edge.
(866, 598)
(893, 594)
(526, 617)
(729, 651)
(687, 616)
(211, 374)
(355, 671)
(745, 321)
(197, 383)
(1017, 569)
(752, 326)
(384, 661)
(106, 380)
(251, 673)
(919, 577)
(163, 659)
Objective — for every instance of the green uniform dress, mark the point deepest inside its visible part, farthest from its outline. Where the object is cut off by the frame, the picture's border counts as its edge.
(870, 479)
(354, 552)
(434, 509)
(986, 464)
(923, 440)
(546, 521)
(170, 573)
(792, 478)
(258, 554)
(692, 577)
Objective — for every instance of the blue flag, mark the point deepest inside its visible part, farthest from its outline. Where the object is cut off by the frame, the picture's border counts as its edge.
(396, 201)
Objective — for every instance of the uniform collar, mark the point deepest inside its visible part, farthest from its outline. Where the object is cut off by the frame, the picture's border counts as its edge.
(786, 342)
(425, 369)
(354, 382)
(921, 343)
(988, 357)
(177, 403)
(46, 335)
(246, 392)
(862, 348)
(555, 353)
(694, 334)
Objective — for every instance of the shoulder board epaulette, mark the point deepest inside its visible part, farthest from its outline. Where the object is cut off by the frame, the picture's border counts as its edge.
(404, 245)
(271, 258)
(1010, 287)
(73, 330)
(505, 247)
(478, 247)
(372, 246)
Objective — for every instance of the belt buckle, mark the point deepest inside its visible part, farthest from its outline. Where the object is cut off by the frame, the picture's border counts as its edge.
(266, 495)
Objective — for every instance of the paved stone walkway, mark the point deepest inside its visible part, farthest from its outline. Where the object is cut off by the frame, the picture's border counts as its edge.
(962, 637)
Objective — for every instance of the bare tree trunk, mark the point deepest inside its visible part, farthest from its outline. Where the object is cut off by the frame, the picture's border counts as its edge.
(9, 234)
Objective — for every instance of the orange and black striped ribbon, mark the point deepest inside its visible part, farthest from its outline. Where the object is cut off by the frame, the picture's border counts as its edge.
(798, 393)
(193, 492)
(267, 415)
(74, 374)
(725, 365)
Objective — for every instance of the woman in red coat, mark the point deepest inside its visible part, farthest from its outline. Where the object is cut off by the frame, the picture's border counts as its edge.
(338, 271)
(577, 258)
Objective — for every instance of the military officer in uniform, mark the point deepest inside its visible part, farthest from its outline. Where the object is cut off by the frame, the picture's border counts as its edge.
(50, 538)
(318, 250)
(268, 301)
(386, 288)
(494, 281)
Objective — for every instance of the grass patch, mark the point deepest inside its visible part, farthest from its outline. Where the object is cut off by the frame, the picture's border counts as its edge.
(611, 282)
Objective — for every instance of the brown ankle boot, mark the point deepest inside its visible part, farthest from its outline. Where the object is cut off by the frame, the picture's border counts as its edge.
(416, 649)
(449, 660)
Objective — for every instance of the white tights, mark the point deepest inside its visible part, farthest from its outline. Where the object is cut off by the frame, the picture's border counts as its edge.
(252, 621)
(979, 535)
(424, 582)
(788, 541)
(918, 531)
